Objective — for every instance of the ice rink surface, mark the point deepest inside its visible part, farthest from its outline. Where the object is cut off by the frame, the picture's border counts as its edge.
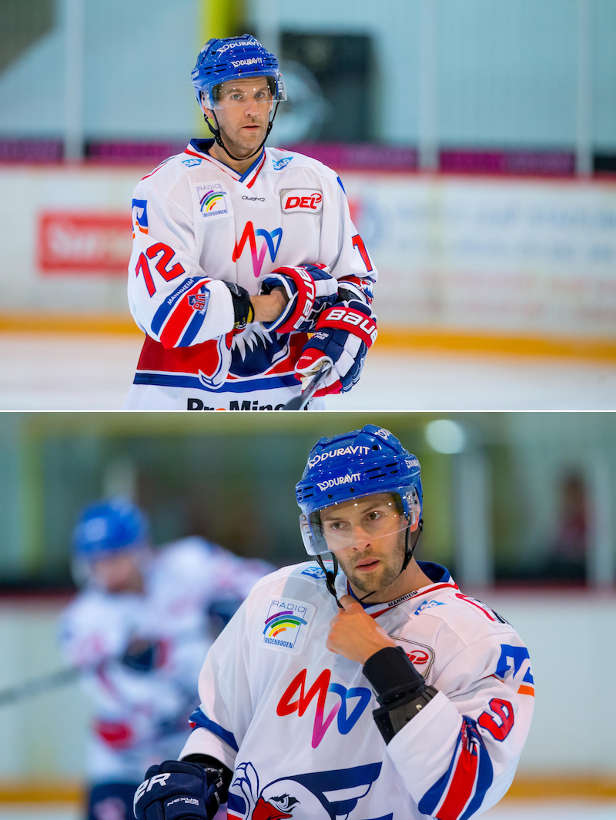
(72, 372)
(514, 810)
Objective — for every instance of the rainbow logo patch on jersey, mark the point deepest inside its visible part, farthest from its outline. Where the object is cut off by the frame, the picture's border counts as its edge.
(284, 623)
(212, 199)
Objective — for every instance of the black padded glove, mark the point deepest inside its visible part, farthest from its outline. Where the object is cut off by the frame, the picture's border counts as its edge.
(177, 790)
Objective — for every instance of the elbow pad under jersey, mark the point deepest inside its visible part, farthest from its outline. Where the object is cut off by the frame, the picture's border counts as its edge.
(400, 689)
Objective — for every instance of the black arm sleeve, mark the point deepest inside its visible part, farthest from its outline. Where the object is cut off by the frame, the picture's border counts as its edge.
(400, 689)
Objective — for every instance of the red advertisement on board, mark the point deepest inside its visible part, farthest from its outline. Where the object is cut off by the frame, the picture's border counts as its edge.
(92, 242)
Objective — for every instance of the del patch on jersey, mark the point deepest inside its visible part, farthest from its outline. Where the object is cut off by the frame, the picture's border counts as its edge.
(286, 623)
(304, 200)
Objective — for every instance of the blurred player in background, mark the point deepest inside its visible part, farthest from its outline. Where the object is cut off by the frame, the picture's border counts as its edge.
(377, 691)
(140, 628)
(239, 252)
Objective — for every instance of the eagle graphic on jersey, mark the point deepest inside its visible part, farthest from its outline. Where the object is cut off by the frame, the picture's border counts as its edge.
(331, 795)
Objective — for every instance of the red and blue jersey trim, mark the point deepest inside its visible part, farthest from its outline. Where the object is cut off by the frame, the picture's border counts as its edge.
(176, 321)
(158, 167)
(199, 148)
(460, 791)
(434, 571)
(193, 382)
(199, 720)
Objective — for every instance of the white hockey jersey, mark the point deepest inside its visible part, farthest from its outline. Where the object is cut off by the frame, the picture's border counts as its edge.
(196, 222)
(140, 715)
(293, 720)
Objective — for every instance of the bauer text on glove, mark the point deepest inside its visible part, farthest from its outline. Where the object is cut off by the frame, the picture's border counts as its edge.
(344, 333)
(179, 790)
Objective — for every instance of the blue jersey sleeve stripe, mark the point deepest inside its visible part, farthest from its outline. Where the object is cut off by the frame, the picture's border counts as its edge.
(201, 720)
(435, 796)
(432, 797)
(194, 326)
(170, 302)
(485, 776)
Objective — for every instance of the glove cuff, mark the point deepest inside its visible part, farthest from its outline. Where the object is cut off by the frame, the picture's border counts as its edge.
(283, 323)
(309, 289)
(243, 311)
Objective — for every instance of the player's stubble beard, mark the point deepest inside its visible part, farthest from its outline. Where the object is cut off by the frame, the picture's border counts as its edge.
(246, 148)
(376, 584)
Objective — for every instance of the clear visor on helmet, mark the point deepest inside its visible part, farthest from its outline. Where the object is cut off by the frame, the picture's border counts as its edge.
(260, 92)
(354, 523)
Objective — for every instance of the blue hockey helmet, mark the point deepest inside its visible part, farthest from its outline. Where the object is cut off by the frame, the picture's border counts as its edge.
(108, 527)
(233, 58)
(360, 463)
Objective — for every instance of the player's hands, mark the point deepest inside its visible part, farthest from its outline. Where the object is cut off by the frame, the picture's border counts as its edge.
(354, 634)
(268, 306)
(175, 790)
(309, 290)
(143, 655)
(343, 335)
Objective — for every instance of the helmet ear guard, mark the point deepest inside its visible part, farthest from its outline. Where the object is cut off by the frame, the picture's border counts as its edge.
(414, 509)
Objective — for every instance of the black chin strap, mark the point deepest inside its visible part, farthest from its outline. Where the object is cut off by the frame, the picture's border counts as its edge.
(408, 553)
(330, 576)
(409, 549)
(218, 139)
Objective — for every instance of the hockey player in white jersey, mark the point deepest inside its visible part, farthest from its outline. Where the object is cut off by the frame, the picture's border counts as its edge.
(365, 687)
(140, 629)
(240, 252)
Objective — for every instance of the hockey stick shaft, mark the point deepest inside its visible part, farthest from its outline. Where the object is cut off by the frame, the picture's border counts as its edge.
(68, 674)
(37, 686)
(299, 402)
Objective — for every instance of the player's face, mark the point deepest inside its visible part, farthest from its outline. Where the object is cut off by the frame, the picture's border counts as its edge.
(368, 538)
(242, 111)
(118, 573)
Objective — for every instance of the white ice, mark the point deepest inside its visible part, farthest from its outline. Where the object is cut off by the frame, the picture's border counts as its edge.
(508, 810)
(87, 372)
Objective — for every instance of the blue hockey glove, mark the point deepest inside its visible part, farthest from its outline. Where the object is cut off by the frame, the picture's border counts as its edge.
(355, 287)
(309, 289)
(177, 790)
(344, 334)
